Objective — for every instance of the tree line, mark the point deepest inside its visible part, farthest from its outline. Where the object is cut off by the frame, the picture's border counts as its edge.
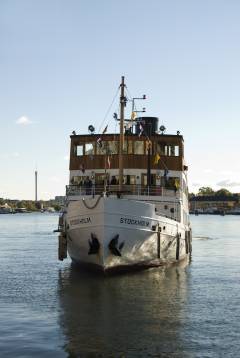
(208, 191)
(30, 205)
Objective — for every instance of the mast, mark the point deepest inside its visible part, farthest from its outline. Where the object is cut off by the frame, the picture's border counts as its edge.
(121, 142)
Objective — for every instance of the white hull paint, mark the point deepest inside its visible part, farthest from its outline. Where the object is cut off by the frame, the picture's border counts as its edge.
(144, 238)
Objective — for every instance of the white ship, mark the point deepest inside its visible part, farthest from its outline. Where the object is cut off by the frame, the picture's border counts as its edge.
(127, 200)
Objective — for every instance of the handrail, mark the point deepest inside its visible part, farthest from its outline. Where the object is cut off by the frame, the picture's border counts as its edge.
(138, 190)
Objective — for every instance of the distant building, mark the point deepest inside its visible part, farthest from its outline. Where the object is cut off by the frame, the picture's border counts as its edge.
(213, 203)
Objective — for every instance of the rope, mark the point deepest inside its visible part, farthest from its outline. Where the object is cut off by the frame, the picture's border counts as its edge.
(91, 207)
(109, 108)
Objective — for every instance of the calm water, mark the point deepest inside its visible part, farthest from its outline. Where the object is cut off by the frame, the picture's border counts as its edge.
(48, 309)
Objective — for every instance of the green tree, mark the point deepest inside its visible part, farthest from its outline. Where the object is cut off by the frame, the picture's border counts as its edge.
(206, 190)
(57, 207)
(21, 204)
(31, 206)
(223, 192)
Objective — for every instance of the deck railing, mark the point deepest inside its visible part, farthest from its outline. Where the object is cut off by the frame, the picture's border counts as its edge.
(139, 190)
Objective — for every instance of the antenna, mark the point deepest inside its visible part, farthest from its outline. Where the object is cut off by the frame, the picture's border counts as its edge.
(133, 102)
(36, 185)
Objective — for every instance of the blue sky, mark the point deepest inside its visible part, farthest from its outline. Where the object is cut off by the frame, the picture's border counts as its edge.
(61, 62)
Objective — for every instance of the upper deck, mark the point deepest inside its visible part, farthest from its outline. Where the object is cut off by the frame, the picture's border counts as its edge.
(85, 151)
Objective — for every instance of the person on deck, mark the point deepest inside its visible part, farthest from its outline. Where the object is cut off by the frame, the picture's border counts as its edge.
(114, 180)
(88, 186)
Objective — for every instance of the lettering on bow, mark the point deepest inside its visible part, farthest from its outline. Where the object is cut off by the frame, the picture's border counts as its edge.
(80, 221)
(137, 222)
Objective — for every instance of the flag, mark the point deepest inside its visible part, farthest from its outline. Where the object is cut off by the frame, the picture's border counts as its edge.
(149, 144)
(165, 173)
(108, 162)
(177, 183)
(141, 130)
(156, 158)
(105, 129)
(99, 142)
(133, 115)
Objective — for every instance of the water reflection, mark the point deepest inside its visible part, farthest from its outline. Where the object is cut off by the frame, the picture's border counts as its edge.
(138, 314)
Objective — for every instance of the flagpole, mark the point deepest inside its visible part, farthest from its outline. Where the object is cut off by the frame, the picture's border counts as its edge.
(105, 173)
(121, 142)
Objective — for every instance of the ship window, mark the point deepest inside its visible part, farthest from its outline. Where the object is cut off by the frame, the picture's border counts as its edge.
(77, 180)
(99, 178)
(130, 179)
(112, 147)
(138, 147)
(171, 150)
(172, 183)
(176, 150)
(144, 179)
(101, 148)
(128, 147)
(79, 150)
(168, 150)
(161, 148)
(89, 148)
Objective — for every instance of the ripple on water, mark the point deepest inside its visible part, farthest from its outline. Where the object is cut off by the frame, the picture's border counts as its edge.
(48, 308)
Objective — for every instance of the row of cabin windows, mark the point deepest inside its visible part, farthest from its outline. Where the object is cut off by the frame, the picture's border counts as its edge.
(130, 147)
(171, 183)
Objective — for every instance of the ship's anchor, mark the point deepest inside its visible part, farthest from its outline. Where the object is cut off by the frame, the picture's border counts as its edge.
(113, 246)
(94, 245)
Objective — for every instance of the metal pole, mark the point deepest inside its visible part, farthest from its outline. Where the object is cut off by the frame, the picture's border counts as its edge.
(149, 166)
(105, 173)
(149, 155)
(36, 196)
(121, 142)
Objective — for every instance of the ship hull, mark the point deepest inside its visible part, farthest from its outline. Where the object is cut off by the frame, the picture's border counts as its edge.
(111, 234)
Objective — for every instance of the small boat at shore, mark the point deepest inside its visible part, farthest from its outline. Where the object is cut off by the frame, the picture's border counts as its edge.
(5, 209)
(127, 198)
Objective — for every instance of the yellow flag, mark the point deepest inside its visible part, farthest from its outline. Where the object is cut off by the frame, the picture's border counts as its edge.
(133, 116)
(177, 183)
(149, 144)
(156, 158)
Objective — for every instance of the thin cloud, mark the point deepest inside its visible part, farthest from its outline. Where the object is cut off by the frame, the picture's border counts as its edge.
(228, 183)
(24, 121)
(196, 184)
